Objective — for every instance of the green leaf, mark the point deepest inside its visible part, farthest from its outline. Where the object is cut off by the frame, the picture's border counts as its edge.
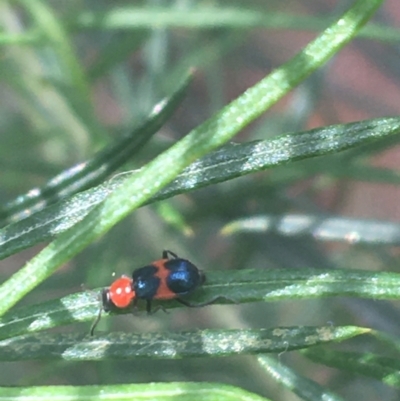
(239, 286)
(321, 227)
(175, 391)
(89, 173)
(368, 364)
(53, 31)
(115, 52)
(305, 388)
(229, 162)
(218, 16)
(168, 345)
(205, 138)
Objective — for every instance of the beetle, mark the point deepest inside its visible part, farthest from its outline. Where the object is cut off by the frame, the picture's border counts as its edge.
(167, 278)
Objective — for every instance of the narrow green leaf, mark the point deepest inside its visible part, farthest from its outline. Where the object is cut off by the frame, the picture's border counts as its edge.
(218, 16)
(89, 173)
(174, 218)
(54, 33)
(168, 345)
(305, 388)
(115, 52)
(321, 227)
(29, 37)
(391, 341)
(229, 162)
(237, 286)
(175, 391)
(384, 369)
(336, 168)
(208, 136)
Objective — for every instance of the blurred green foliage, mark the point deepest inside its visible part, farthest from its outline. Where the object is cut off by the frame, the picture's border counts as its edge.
(76, 77)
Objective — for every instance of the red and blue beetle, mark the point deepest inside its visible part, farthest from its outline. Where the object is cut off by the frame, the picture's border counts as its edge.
(166, 278)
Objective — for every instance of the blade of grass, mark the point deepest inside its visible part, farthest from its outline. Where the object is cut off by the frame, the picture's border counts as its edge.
(53, 31)
(238, 286)
(211, 134)
(321, 227)
(175, 391)
(115, 52)
(230, 161)
(89, 173)
(137, 18)
(305, 388)
(170, 345)
(384, 369)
